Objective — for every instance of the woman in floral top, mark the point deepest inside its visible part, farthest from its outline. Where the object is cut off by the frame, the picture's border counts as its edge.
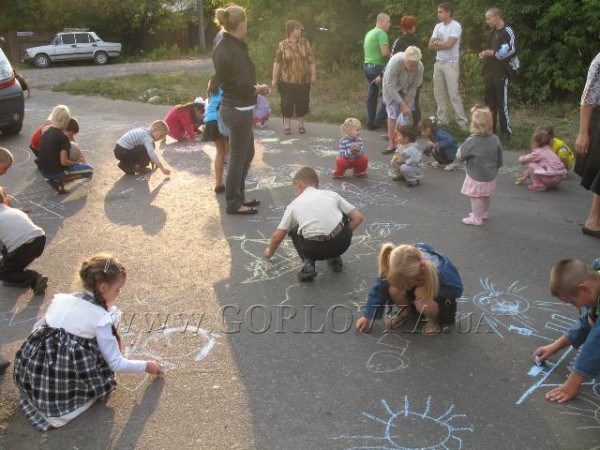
(293, 71)
(587, 145)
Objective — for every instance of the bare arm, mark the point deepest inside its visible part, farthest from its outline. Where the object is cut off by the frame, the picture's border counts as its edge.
(313, 72)
(443, 45)
(64, 159)
(385, 50)
(276, 239)
(355, 218)
(276, 70)
(583, 138)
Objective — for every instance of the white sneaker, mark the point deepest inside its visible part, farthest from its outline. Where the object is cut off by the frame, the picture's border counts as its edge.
(435, 164)
(450, 167)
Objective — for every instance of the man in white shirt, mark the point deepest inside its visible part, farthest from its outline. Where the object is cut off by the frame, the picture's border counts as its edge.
(445, 41)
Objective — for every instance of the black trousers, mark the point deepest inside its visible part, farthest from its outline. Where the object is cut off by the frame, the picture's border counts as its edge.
(294, 98)
(13, 266)
(321, 250)
(496, 98)
(138, 155)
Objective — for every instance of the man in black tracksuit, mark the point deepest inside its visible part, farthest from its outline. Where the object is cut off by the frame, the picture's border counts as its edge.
(500, 58)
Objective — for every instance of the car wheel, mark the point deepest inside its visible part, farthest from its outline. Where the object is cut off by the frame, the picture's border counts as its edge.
(41, 61)
(100, 58)
(14, 129)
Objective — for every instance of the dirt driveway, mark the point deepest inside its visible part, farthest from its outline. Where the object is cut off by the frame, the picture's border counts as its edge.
(44, 78)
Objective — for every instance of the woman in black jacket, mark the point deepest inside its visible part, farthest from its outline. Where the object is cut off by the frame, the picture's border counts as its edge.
(235, 73)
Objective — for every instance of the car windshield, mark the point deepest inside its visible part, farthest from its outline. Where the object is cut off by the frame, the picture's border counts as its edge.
(6, 71)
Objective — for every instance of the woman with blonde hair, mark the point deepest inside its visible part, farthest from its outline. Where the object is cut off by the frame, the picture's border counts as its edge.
(417, 279)
(236, 74)
(293, 71)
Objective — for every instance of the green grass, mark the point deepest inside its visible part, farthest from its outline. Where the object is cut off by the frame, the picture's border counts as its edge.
(334, 97)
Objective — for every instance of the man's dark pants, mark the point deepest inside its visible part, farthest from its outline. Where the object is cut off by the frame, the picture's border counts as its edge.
(496, 98)
(375, 118)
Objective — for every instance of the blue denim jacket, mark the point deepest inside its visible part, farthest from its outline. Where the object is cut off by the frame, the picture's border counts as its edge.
(450, 284)
(588, 361)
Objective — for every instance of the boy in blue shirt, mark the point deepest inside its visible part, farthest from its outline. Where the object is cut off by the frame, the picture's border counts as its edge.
(572, 281)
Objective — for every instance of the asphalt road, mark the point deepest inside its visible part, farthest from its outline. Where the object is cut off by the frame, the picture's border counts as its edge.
(285, 369)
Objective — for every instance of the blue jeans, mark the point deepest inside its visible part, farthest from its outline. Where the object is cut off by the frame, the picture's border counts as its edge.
(374, 117)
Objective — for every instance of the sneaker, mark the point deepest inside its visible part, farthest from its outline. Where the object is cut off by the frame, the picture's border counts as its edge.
(361, 175)
(308, 272)
(336, 263)
(536, 187)
(450, 167)
(388, 151)
(397, 177)
(484, 216)
(41, 283)
(411, 184)
(336, 177)
(435, 164)
(471, 220)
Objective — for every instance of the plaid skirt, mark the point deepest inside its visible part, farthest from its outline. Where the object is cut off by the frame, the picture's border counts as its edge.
(57, 372)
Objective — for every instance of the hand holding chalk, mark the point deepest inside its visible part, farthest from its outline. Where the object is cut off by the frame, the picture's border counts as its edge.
(154, 368)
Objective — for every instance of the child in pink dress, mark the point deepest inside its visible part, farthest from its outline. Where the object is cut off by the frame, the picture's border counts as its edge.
(544, 168)
(482, 153)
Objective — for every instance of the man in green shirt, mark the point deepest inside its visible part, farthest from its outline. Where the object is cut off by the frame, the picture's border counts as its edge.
(377, 51)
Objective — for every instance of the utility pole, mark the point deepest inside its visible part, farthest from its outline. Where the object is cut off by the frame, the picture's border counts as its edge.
(201, 40)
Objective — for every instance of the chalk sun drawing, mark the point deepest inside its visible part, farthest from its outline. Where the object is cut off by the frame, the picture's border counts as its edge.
(408, 429)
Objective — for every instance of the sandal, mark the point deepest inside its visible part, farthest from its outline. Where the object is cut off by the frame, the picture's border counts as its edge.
(58, 186)
(301, 130)
(287, 131)
(244, 212)
(252, 202)
(395, 320)
(431, 329)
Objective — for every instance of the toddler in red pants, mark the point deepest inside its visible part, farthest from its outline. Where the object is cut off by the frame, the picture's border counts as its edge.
(352, 151)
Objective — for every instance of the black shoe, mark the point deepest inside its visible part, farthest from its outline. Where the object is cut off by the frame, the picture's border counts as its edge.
(4, 363)
(308, 272)
(336, 263)
(39, 288)
(387, 151)
(125, 168)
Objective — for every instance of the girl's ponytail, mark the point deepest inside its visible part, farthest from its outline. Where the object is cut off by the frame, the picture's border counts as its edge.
(384, 258)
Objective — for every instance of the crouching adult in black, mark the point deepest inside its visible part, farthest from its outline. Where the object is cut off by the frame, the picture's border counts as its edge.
(320, 223)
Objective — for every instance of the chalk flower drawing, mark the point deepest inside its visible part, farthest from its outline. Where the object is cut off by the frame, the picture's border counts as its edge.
(409, 429)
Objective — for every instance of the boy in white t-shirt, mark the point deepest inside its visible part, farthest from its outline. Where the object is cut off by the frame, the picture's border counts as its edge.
(21, 242)
(320, 223)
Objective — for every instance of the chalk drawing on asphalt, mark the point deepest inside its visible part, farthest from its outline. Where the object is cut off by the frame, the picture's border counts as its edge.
(286, 258)
(406, 427)
(172, 346)
(393, 358)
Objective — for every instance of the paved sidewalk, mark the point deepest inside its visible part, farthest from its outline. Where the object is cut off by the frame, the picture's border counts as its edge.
(286, 370)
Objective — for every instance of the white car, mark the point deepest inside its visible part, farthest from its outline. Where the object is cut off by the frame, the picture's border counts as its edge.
(72, 46)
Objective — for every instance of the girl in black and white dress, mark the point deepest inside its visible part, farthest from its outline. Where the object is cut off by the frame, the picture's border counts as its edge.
(70, 359)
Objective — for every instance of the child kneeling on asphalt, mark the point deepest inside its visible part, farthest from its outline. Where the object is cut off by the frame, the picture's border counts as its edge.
(135, 150)
(573, 281)
(320, 223)
(415, 278)
(21, 242)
